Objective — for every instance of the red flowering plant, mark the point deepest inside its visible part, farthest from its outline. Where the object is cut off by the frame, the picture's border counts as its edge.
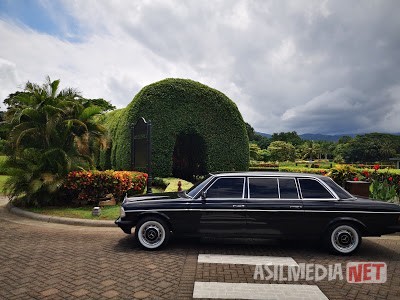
(383, 186)
(90, 186)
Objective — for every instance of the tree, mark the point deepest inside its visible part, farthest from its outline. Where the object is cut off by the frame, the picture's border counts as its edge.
(372, 147)
(100, 102)
(254, 151)
(310, 150)
(289, 137)
(326, 148)
(282, 151)
(250, 132)
(51, 133)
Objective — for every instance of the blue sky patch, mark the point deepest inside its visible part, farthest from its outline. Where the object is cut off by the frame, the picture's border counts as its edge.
(48, 17)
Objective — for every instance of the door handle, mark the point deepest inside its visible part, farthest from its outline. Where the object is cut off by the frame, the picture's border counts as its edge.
(238, 206)
(296, 206)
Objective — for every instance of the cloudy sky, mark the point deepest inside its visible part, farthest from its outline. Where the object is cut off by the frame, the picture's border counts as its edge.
(311, 66)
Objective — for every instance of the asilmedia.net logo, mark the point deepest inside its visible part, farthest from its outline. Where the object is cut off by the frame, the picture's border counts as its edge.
(366, 272)
(356, 272)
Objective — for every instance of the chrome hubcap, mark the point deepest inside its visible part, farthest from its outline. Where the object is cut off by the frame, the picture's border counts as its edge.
(151, 234)
(345, 239)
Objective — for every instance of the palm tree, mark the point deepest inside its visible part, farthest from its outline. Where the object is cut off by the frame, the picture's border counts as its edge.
(52, 133)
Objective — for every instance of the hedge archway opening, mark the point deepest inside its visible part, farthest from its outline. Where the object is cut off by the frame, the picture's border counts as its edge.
(189, 156)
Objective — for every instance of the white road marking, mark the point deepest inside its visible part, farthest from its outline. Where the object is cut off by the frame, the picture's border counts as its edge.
(246, 260)
(253, 291)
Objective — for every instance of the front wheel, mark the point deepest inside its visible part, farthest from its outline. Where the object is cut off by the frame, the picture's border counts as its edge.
(343, 239)
(152, 233)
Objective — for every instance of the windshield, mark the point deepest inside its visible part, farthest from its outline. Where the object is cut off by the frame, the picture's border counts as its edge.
(194, 190)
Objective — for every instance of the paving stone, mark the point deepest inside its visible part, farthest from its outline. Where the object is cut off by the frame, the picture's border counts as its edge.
(80, 293)
(141, 294)
(50, 292)
(108, 282)
(110, 294)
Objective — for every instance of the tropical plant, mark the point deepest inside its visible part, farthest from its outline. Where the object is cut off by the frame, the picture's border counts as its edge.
(281, 151)
(51, 133)
(342, 173)
(383, 191)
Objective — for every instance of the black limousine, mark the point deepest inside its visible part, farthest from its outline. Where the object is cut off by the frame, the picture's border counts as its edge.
(260, 205)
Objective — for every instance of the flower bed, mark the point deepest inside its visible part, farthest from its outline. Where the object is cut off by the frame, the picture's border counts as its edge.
(89, 186)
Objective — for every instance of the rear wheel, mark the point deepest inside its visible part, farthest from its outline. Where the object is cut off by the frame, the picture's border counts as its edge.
(152, 233)
(343, 238)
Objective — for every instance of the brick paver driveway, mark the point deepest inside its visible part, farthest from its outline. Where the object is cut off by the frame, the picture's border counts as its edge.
(52, 261)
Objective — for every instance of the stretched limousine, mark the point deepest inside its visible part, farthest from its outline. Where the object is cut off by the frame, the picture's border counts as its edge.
(260, 205)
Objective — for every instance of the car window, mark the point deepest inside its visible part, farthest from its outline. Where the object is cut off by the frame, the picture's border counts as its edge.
(194, 190)
(288, 188)
(312, 189)
(340, 192)
(263, 187)
(226, 188)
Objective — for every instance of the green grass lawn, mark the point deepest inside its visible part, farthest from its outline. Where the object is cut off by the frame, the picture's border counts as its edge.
(107, 213)
(3, 179)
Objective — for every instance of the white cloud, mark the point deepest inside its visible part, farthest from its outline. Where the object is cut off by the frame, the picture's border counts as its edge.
(316, 66)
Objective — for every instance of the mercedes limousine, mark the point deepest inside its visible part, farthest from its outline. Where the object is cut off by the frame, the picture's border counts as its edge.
(260, 205)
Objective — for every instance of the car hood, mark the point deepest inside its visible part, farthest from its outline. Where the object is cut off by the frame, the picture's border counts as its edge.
(152, 197)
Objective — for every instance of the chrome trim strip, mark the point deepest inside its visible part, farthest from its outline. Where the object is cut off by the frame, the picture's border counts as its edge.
(266, 210)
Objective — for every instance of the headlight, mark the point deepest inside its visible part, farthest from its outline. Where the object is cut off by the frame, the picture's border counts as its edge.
(122, 212)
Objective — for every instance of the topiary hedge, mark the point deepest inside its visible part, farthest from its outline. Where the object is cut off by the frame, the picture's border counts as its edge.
(106, 160)
(181, 106)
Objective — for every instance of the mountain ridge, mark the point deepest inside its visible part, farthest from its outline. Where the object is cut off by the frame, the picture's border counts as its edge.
(321, 137)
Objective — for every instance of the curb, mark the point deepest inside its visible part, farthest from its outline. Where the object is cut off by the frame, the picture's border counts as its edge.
(58, 220)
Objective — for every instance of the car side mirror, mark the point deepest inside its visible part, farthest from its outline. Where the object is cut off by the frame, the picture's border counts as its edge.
(203, 196)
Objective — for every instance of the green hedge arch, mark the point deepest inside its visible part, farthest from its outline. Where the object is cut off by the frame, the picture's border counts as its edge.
(181, 106)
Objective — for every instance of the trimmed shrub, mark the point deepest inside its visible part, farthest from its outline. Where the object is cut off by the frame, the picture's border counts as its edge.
(90, 186)
(176, 107)
(110, 121)
(304, 170)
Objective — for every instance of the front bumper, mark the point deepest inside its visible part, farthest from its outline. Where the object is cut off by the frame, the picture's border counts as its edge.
(126, 226)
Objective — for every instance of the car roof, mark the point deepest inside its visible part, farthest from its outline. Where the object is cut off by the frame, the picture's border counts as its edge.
(265, 173)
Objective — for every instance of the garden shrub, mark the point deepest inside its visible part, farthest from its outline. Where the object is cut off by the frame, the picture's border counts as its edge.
(304, 170)
(264, 169)
(176, 107)
(90, 186)
(342, 173)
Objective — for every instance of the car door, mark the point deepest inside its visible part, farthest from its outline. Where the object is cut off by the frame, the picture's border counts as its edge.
(274, 207)
(318, 201)
(222, 212)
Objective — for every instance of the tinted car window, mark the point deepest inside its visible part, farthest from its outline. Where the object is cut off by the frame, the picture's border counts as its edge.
(194, 190)
(312, 189)
(263, 188)
(288, 189)
(340, 192)
(226, 188)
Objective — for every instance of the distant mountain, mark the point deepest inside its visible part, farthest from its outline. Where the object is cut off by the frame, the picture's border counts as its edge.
(264, 134)
(319, 137)
(323, 137)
